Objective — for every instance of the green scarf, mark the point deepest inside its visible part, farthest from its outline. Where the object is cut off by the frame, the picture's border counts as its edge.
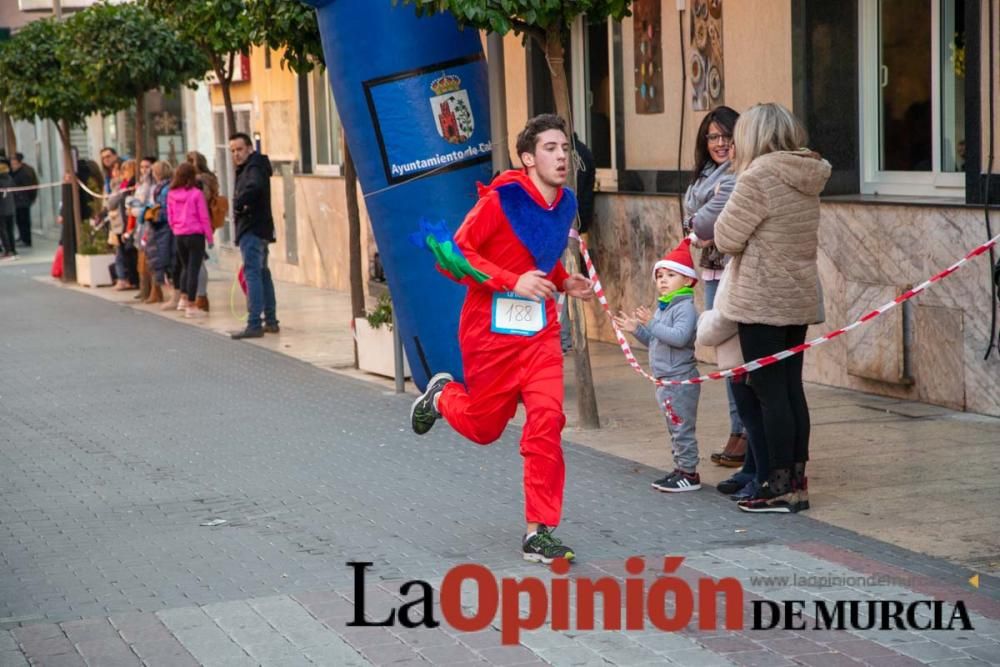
(665, 299)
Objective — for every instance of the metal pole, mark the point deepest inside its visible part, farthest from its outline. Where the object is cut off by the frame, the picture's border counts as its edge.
(498, 102)
(397, 349)
(57, 9)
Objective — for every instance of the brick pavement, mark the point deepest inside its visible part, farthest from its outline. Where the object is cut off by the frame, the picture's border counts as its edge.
(122, 433)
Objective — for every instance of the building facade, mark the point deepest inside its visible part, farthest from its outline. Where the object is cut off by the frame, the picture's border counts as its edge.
(894, 93)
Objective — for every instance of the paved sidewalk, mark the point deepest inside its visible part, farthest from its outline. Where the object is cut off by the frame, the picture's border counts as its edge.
(158, 508)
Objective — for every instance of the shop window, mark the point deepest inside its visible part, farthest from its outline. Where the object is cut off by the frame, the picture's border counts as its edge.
(913, 90)
(593, 94)
(224, 169)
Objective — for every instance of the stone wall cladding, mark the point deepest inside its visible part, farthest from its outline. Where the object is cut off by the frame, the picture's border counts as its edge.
(882, 246)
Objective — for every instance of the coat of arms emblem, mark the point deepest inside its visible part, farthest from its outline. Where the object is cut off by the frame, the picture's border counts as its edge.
(452, 110)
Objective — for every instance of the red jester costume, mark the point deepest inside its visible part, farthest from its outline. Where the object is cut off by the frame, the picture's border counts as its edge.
(506, 253)
(510, 231)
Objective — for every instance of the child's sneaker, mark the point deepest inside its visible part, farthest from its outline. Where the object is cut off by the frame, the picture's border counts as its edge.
(544, 547)
(678, 481)
(660, 483)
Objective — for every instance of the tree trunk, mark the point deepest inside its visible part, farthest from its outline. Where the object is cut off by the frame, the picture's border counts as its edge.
(586, 398)
(227, 100)
(226, 80)
(69, 253)
(354, 241)
(10, 139)
(498, 104)
(140, 125)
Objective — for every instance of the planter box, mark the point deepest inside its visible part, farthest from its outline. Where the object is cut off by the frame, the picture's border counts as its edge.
(375, 353)
(92, 270)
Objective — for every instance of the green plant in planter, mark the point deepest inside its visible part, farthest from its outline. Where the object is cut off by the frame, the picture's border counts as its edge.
(382, 314)
(94, 240)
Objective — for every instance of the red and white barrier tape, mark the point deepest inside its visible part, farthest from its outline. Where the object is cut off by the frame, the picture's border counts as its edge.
(22, 188)
(771, 358)
(99, 195)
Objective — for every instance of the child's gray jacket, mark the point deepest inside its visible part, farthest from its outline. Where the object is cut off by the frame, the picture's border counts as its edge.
(670, 338)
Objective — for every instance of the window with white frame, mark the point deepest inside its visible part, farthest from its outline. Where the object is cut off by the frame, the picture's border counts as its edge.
(913, 97)
(224, 169)
(327, 153)
(593, 94)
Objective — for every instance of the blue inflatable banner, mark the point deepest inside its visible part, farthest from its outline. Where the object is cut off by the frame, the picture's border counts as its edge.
(450, 112)
(413, 99)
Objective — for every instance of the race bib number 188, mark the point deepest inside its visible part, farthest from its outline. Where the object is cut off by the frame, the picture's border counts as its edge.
(513, 314)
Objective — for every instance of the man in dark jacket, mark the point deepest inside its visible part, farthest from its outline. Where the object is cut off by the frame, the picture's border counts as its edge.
(254, 231)
(24, 176)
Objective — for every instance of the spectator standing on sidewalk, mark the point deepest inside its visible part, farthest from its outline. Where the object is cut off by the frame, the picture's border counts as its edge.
(586, 179)
(138, 205)
(669, 334)
(160, 251)
(209, 185)
(122, 225)
(109, 158)
(770, 227)
(703, 201)
(716, 331)
(254, 231)
(7, 212)
(187, 214)
(24, 176)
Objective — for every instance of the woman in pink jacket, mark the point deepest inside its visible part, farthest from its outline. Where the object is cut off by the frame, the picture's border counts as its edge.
(187, 214)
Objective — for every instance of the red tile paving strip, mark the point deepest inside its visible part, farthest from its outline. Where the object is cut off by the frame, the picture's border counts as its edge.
(977, 602)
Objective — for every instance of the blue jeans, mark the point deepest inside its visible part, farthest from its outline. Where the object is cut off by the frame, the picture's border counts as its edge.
(735, 423)
(711, 288)
(756, 462)
(260, 287)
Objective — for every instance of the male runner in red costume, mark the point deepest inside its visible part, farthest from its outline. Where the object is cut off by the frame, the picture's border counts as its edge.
(509, 334)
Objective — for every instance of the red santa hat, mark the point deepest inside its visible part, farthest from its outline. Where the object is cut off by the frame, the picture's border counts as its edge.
(679, 261)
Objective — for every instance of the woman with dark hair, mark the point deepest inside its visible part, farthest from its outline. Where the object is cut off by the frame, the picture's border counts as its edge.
(187, 214)
(704, 200)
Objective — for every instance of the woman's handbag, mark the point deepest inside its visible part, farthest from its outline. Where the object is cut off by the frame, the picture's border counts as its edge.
(217, 210)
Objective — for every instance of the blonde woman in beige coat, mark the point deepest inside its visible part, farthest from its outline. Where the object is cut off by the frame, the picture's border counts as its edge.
(769, 227)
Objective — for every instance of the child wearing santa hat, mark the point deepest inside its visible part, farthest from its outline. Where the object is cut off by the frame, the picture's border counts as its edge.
(669, 333)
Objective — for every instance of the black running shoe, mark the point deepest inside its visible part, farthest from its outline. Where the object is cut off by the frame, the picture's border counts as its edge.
(544, 547)
(423, 414)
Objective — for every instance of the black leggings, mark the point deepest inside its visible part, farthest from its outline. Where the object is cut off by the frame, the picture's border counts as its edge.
(779, 389)
(190, 255)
